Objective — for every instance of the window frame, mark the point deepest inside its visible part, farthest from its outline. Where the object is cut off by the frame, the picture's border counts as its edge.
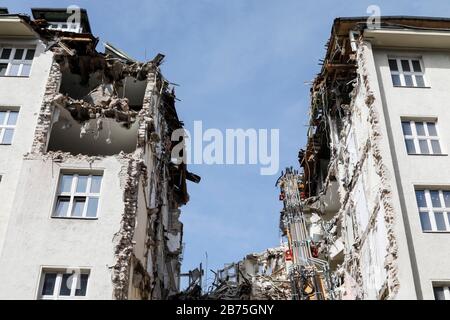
(60, 272)
(5, 125)
(431, 210)
(73, 194)
(401, 73)
(21, 62)
(415, 137)
(446, 288)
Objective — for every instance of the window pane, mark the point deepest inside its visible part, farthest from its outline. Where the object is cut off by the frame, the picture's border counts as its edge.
(408, 81)
(396, 80)
(440, 223)
(435, 200)
(82, 184)
(82, 285)
(92, 207)
(61, 207)
(405, 65)
(420, 81)
(446, 198)
(406, 128)
(2, 117)
(424, 147)
(7, 136)
(96, 181)
(420, 197)
(49, 284)
(3, 67)
(12, 118)
(416, 66)
(14, 69)
(425, 221)
(30, 54)
(18, 54)
(439, 293)
(393, 65)
(436, 147)
(431, 129)
(26, 69)
(6, 53)
(65, 183)
(78, 206)
(420, 129)
(410, 148)
(66, 284)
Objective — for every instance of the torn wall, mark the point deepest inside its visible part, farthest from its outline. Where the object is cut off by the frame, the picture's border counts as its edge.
(346, 182)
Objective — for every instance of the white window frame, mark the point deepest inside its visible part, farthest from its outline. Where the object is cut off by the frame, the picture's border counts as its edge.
(446, 290)
(432, 210)
(4, 126)
(73, 194)
(58, 281)
(71, 27)
(10, 61)
(415, 137)
(411, 73)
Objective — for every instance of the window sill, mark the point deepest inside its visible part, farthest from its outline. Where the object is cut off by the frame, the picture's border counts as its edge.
(412, 87)
(429, 154)
(437, 232)
(75, 218)
(15, 77)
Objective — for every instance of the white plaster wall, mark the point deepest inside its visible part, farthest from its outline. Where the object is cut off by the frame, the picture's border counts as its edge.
(27, 94)
(431, 249)
(403, 262)
(34, 239)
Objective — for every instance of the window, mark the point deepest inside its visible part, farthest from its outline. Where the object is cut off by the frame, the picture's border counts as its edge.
(77, 196)
(16, 61)
(8, 119)
(421, 137)
(406, 72)
(434, 209)
(441, 292)
(63, 284)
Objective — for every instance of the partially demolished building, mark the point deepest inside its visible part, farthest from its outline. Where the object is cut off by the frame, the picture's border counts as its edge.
(374, 192)
(89, 197)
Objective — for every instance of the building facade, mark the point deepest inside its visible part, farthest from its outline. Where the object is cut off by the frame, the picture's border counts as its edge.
(89, 196)
(375, 187)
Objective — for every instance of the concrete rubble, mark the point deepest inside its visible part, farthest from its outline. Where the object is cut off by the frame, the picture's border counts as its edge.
(259, 276)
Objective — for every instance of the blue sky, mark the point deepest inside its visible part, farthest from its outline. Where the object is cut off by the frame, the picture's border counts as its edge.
(240, 64)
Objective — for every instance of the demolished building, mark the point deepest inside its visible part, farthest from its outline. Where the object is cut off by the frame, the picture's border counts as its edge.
(89, 196)
(374, 186)
(258, 276)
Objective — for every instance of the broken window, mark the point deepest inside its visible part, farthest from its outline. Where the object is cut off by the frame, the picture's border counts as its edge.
(434, 209)
(78, 196)
(421, 137)
(65, 26)
(16, 62)
(441, 292)
(63, 284)
(406, 72)
(8, 120)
